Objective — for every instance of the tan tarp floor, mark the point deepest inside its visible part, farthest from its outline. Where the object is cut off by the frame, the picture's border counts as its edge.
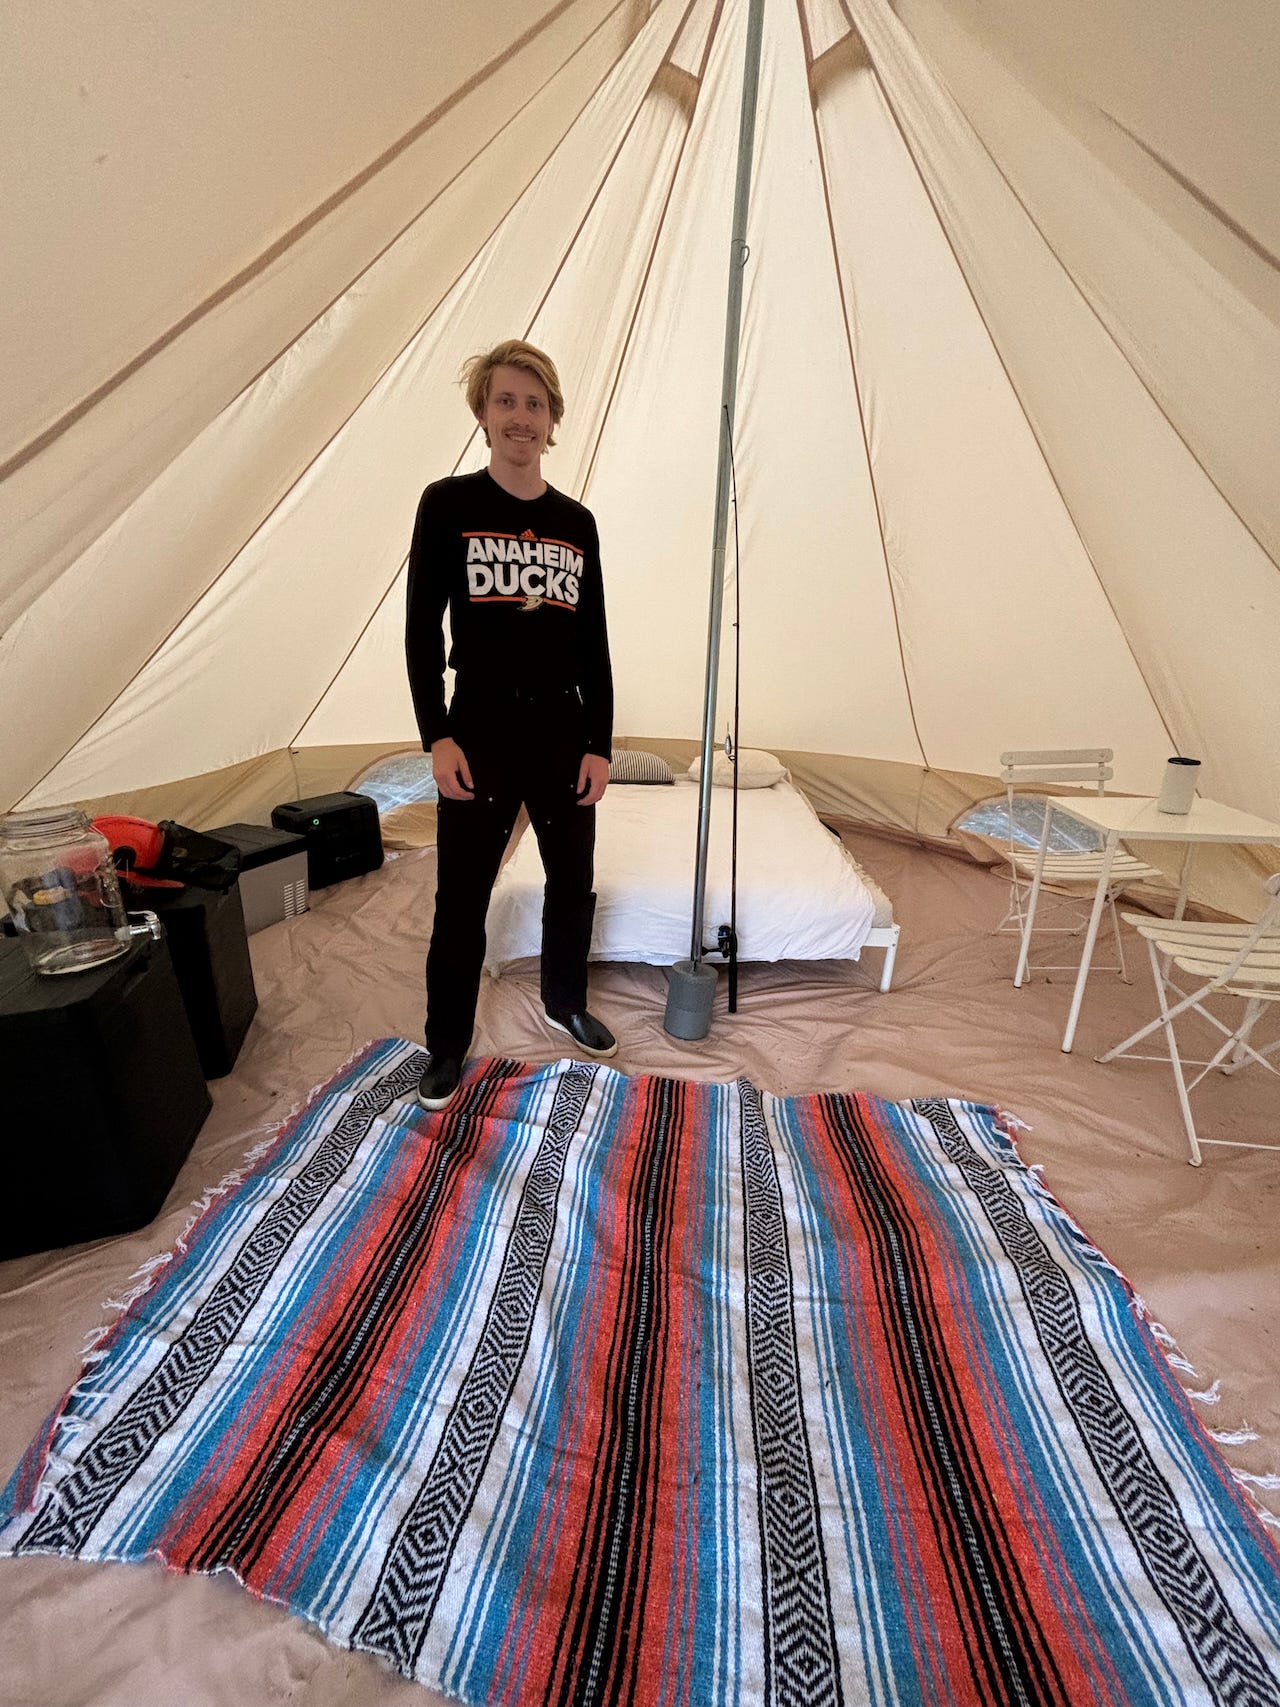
(1202, 1246)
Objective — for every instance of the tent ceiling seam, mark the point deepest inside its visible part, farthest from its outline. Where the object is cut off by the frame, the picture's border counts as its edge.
(596, 194)
(1116, 344)
(273, 252)
(560, 265)
(1211, 207)
(853, 374)
(154, 653)
(996, 351)
(632, 122)
(365, 626)
(206, 590)
(314, 458)
(445, 188)
(712, 28)
(659, 227)
(542, 302)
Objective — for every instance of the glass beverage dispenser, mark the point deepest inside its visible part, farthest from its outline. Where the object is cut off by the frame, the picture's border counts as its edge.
(61, 889)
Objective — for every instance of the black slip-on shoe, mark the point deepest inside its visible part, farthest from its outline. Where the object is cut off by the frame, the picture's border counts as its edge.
(587, 1032)
(439, 1083)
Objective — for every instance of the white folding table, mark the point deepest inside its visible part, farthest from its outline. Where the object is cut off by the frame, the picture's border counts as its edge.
(1132, 818)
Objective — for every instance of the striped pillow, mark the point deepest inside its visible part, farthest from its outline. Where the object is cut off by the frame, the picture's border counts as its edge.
(632, 765)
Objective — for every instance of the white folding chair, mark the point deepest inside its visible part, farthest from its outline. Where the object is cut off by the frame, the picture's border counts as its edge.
(1242, 961)
(1071, 875)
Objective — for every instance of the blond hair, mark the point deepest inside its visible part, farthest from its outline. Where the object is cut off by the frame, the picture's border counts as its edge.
(513, 352)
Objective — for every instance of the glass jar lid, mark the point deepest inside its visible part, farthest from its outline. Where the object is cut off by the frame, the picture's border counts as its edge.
(45, 824)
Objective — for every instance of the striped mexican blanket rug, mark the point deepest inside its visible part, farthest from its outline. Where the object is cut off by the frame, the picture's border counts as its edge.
(634, 1390)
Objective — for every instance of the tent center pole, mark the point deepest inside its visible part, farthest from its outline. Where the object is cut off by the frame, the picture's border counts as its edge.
(729, 391)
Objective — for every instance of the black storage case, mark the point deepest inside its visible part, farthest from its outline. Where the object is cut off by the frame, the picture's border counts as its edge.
(103, 1097)
(342, 834)
(210, 951)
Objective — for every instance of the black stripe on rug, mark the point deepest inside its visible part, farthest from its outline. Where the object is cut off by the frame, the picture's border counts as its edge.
(801, 1663)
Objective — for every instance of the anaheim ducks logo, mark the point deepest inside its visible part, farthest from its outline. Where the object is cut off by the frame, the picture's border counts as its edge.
(532, 600)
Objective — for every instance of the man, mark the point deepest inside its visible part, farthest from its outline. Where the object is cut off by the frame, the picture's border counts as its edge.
(517, 564)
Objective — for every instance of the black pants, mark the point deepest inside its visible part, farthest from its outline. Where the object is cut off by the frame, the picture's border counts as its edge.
(527, 751)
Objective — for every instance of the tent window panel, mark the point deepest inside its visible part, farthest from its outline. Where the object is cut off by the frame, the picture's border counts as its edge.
(401, 779)
(991, 818)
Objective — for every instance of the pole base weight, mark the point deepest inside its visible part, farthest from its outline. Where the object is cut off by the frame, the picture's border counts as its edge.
(690, 993)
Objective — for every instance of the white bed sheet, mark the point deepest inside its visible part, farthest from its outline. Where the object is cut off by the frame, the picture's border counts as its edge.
(799, 894)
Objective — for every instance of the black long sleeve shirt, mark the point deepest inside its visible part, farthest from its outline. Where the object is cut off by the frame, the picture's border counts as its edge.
(521, 580)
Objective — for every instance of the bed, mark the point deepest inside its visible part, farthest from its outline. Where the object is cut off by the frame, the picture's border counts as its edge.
(801, 895)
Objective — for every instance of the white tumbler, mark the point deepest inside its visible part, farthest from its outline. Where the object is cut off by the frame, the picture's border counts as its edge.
(1179, 791)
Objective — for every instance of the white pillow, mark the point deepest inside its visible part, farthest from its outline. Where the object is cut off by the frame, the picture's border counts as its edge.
(755, 769)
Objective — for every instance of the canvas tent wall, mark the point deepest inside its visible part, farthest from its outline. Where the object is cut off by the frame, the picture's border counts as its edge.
(1008, 402)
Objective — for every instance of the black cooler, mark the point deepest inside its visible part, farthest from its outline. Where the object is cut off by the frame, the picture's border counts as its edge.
(273, 873)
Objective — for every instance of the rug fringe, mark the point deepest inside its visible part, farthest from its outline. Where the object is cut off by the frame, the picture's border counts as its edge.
(1233, 1436)
(1248, 1478)
(65, 1428)
(146, 1273)
(1084, 1245)
(1008, 1125)
(1011, 1123)
(1169, 1346)
(1210, 1395)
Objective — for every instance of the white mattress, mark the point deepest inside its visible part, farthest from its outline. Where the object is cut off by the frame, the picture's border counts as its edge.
(800, 896)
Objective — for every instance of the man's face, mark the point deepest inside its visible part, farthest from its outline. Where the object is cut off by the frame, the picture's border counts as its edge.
(517, 417)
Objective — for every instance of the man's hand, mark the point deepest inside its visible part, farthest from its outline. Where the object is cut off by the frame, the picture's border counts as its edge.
(450, 769)
(593, 778)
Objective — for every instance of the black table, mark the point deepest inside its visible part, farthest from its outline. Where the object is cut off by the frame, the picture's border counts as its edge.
(101, 1096)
